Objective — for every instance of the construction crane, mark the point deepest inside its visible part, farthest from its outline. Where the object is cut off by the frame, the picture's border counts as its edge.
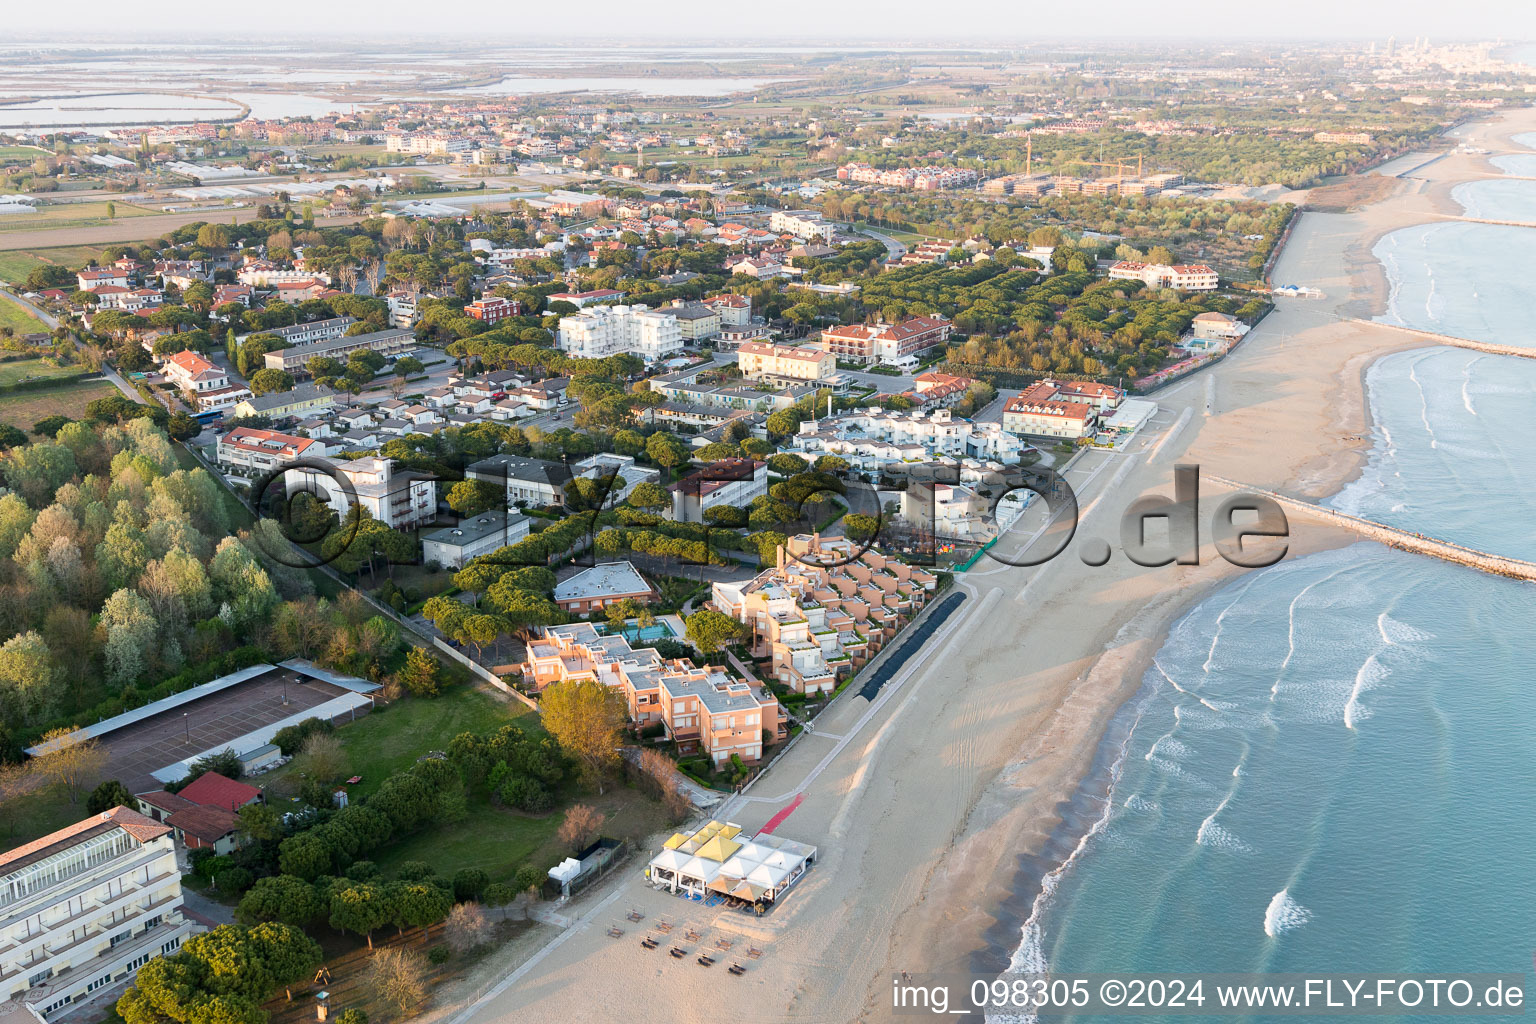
(1120, 167)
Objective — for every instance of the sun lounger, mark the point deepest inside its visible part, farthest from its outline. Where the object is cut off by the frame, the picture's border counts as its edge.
(664, 926)
(635, 915)
(649, 943)
(615, 932)
(723, 943)
(737, 970)
(754, 953)
(677, 953)
(692, 935)
(705, 960)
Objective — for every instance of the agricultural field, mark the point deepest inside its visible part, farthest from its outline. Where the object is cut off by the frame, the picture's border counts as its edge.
(15, 265)
(72, 215)
(24, 408)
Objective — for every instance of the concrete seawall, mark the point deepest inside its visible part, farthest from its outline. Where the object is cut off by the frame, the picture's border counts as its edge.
(1451, 340)
(1405, 540)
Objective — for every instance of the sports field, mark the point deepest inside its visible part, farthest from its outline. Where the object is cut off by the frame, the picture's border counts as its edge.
(137, 750)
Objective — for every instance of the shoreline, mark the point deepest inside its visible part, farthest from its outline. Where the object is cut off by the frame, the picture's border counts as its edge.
(937, 810)
(1089, 806)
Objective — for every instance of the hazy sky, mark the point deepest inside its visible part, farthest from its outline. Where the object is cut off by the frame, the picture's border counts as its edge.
(807, 21)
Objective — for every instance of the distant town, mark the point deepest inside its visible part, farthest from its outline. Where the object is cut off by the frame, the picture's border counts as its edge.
(431, 522)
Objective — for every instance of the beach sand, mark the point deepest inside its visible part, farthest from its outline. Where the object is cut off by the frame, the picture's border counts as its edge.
(937, 809)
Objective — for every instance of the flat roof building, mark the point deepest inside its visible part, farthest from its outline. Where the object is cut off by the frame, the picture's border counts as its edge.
(478, 535)
(85, 907)
(601, 585)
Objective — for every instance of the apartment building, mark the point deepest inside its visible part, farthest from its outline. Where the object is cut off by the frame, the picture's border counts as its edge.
(872, 437)
(733, 482)
(734, 310)
(310, 333)
(85, 907)
(581, 300)
(611, 330)
(206, 382)
(403, 311)
(1188, 277)
(695, 320)
(493, 309)
(892, 344)
(802, 224)
(701, 708)
(452, 546)
(1065, 409)
(423, 143)
(303, 400)
(686, 390)
(388, 343)
(397, 498)
(822, 611)
(761, 359)
(259, 451)
(528, 481)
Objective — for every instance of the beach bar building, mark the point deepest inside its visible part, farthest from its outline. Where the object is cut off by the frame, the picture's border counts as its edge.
(719, 860)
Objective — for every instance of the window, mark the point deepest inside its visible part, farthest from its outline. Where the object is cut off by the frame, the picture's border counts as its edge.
(122, 936)
(168, 947)
(152, 922)
(103, 980)
(56, 1004)
(40, 977)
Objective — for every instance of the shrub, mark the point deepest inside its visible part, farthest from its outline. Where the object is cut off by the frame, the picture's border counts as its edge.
(528, 877)
(363, 871)
(498, 894)
(233, 881)
(414, 871)
(469, 883)
(526, 794)
(439, 954)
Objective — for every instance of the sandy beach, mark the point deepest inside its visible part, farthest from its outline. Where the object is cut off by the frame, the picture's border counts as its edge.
(938, 807)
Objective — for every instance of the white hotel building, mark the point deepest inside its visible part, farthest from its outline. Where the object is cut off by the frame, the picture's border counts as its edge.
(84, 908)
(612, 330)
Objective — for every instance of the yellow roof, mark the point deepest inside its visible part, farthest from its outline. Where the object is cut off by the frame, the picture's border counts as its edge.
(678, 839)
(719, 849)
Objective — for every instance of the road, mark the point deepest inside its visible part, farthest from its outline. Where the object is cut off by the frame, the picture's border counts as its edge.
(47, 318)
(893, 249)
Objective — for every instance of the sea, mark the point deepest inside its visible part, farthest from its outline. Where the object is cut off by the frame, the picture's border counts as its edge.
(1331, 764)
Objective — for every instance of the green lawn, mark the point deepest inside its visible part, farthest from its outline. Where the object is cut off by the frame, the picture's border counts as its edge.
(22, 152)
(14, 370)
(392, 738)
(20, 321)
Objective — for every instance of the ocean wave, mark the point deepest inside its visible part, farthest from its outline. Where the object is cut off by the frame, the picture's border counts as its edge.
(1284, 914)
(1393, 632)
(1217, 837)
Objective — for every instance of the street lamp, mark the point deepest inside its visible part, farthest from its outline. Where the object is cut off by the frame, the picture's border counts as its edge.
(187, 724)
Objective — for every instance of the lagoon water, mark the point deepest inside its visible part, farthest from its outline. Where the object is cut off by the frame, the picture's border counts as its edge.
(1331, 765)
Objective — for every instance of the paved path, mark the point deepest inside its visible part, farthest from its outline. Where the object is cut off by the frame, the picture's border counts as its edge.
(17, 300)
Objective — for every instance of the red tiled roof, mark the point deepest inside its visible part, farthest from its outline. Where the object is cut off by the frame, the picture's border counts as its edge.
(215, 790)
(210, 824)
